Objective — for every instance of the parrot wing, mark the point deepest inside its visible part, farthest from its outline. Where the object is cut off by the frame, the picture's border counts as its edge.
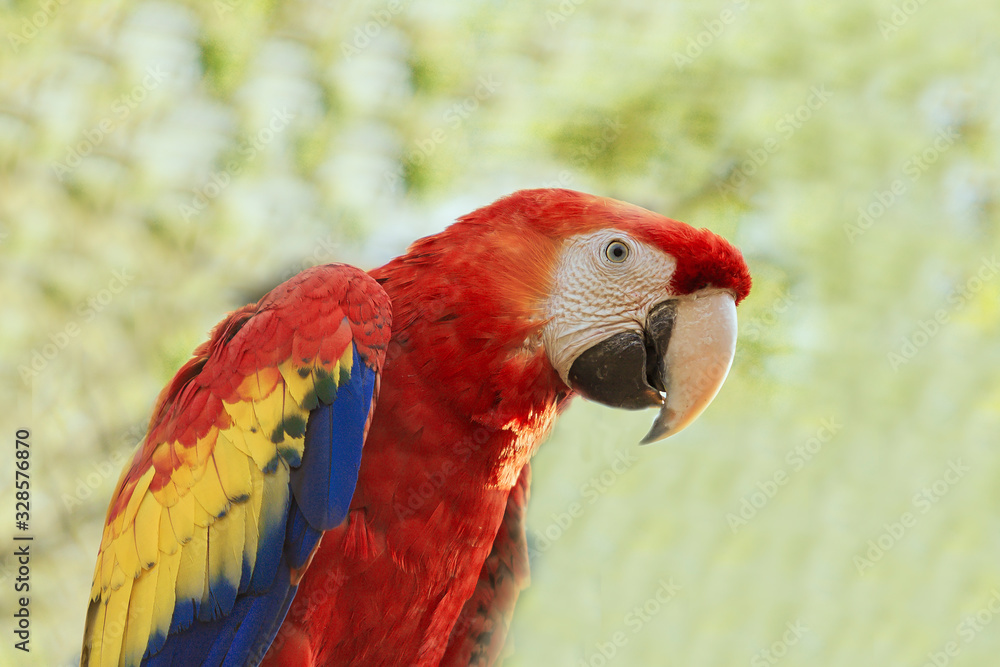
(252, 452)
(477, 638)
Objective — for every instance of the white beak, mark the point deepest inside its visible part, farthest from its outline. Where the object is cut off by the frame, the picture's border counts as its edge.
(697, 361)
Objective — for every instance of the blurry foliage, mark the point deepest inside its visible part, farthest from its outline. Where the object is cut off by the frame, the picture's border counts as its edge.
(139, 136)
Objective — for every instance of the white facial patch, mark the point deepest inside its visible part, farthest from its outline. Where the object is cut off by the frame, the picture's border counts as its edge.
(600, 290)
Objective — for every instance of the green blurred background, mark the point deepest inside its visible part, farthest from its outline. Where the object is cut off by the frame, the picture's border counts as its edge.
(164, 162)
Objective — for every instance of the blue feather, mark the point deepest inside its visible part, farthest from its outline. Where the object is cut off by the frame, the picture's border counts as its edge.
(261, 623)
(221, 597)
(184, 611)
(269, 553)
(302, 538)
(324, 484)
(231, 641)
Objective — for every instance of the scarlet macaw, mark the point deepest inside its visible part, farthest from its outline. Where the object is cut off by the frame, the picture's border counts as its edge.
(269, 438)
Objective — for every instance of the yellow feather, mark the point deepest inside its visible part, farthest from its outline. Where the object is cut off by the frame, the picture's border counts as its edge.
(166, 540)
(294, 413)
(107, 566)
(140, 615)
(252, 512)
(241, 413)
(259, 385)
(164, 597)
(274, 499)
(332, 369)
(107, 536)
(347, 359)
(202, 519)
(236, 527)
(225, 550)
(115, 619)
(233, 468)
(198, 472)
(208, 492)
(192, 566)
(127, 554)
(93, 633)
(297, 385)
(146, 528)
(168, 494)
(126, 517)
(182, 475)
(118, 578)
(204, 447)
(234, 436)
(182, 518)
(269, 411)
(261, 448)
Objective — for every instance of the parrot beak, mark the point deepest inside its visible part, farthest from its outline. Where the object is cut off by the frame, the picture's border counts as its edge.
(678, 362)
(701, 332)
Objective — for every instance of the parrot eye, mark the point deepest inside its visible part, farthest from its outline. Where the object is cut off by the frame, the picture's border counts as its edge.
(616, 252)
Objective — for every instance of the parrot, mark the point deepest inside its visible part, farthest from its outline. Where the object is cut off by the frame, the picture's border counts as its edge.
(340, 473)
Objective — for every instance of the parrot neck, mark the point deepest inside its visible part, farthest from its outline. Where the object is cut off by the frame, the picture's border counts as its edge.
(471, 356)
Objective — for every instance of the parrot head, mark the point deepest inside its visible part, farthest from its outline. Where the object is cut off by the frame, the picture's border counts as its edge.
(626, 307)
(642, 312)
